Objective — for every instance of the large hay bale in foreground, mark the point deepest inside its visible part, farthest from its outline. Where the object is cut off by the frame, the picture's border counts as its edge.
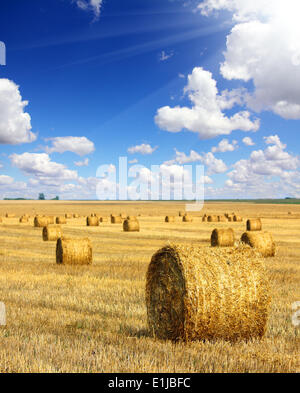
(116, 219)
(222, 219)
(92, 221)
(52, 233)
(169, 219)
(131, 226)
(197, 293)
(212, 218)
(187, 218)
(61, 220)
(262, 241)
(74, 251)
(23, 220)
(254, 225)
(40, 221)
(222, 237)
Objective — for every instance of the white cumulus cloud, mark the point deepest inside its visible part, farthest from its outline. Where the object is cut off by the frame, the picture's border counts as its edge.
(78, 145)
(93, 5)
(15, 124)
(248, 141)
(85, 162)
(205, 117)
(142, 149)
(225, 146)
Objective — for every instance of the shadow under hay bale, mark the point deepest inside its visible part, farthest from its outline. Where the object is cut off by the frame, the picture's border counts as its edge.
(116, 219)
(74, 251)
(197, 293)
(61, 220)
(92, 221)
(254, 225)
(222, 237)
(52, 233)
(262, 241)
(131, 226)
(170, 219)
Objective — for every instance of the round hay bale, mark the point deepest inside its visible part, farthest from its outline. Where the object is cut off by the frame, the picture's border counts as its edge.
(51, 219)
(197, 293)
(74, 251)
(10, 215)
(103, 219)
(237, 218)
(40, 221)
(92, 221)
(212, 219)
(222, 237)
(131, 226)
(222, 219)
(75, 215)
(262, 241)
(131, 218)
(61, 220)
(23, 220)
(68, 215)
(204, 218)
(169, 219)
(181, 214)
(116, 220)
(230, 218)
(254, 225)
(187, 218)
(52, 232)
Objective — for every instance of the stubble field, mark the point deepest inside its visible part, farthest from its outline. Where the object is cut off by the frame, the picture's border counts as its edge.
(93, 318)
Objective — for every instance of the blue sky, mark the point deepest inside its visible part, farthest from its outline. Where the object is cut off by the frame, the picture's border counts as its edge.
(162, 82)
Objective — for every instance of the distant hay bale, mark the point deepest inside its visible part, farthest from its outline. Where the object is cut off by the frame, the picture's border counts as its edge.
(123, 216)
(68, 215)
(52, 232)
(197, 293)
(40, 221)
(10, 215)
(51, 219)
(74, 251)
(222, 219)
(61, 220)
(237, 218)
(290, 213)
(262, 241)
(187, 218)
(181, 214)
(212, 219)
(116, 219)
(131, 218)
(169, 219)
(75, 215)
(103, 219)
(92, 221)
(222, 237)
(131, 226)
(23, 220)
(254, 225)
(230, 218)
(204, 218)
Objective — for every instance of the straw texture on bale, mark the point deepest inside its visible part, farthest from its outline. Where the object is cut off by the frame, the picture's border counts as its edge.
(187, 218)
(212, 218)
(40, 221)
(222, 219)
(222, 237)
(262, 241)
(23, 220)
(74, 251)
(170, 219)
(61, 220)
(197, 293)
(92, 221)
(254, 225)
(237, 218)
(131, 226)
(52, 233)
(116, 220)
